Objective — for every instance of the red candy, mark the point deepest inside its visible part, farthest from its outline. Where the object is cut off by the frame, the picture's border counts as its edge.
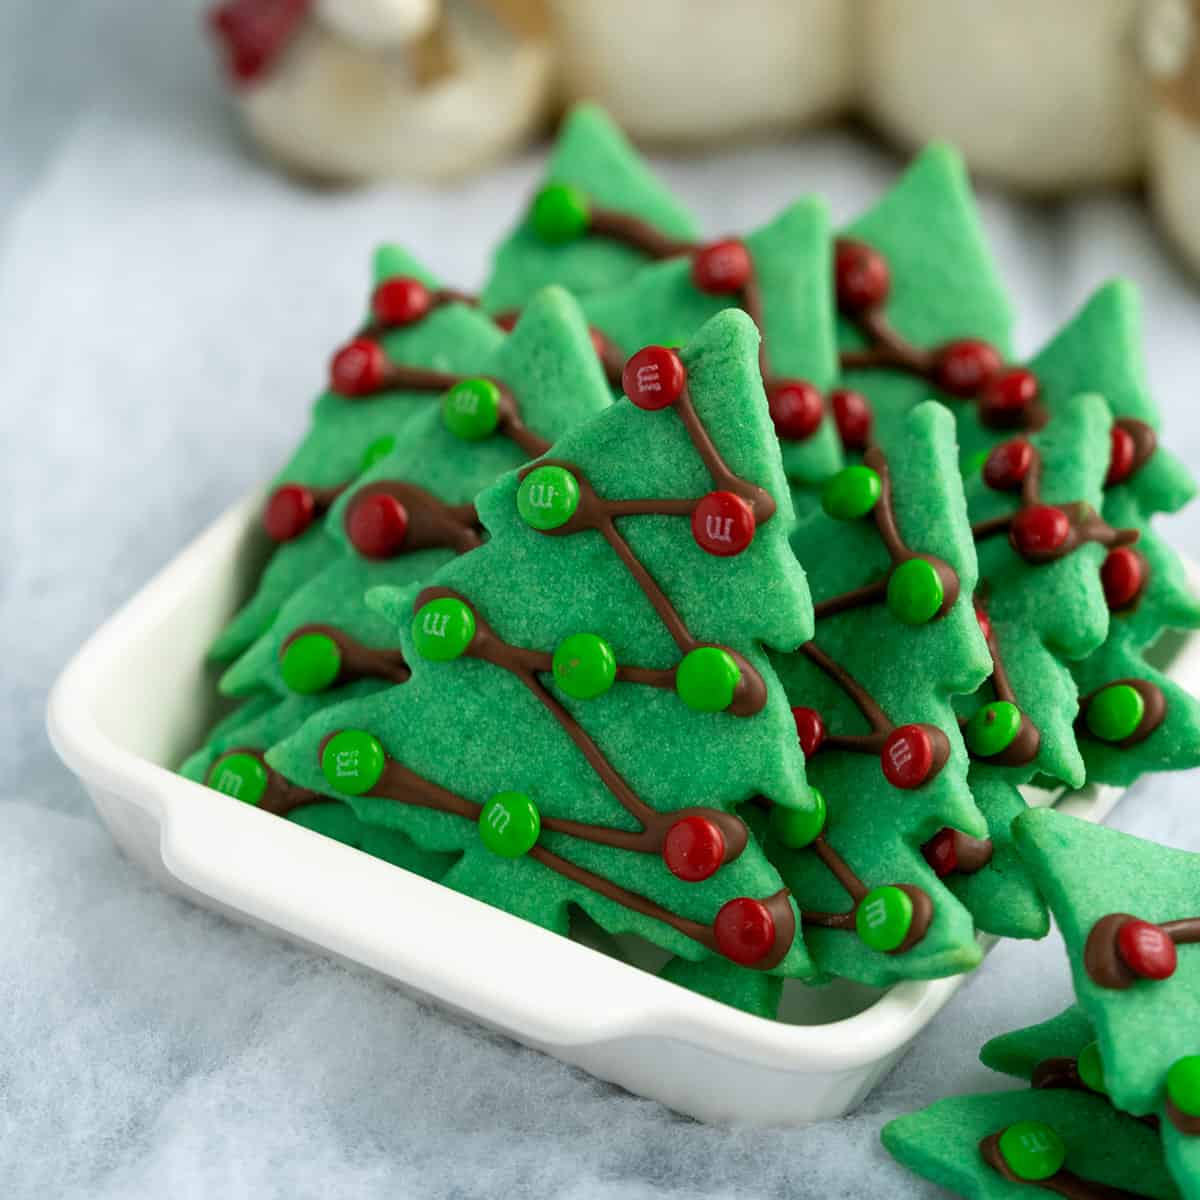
(964, 367)
(722, 267)
(694, 848)
(861, 276)
(377, 525)
(1039, 530)
(852, 413)
(985, 623)
(1007, 465)
(254, 33)
(796, 408)
(941, 852)
(289, 512)
(358, 368)
(600, 343)
(1008, 398)
(507, 320)
(810, 729)
(907, 757)
(1120, 459)
(400, 301)
(1123, 576)
(1148, 951)
(745, 930)
(654, 377)
(723, 524)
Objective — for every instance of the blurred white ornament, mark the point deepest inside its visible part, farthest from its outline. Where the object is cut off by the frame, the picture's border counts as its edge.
(378, 24)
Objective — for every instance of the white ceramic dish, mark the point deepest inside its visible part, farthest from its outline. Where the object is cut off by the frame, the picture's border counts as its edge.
(138, 697)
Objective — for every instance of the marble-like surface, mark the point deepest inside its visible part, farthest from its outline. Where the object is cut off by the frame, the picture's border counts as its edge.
(167, 305)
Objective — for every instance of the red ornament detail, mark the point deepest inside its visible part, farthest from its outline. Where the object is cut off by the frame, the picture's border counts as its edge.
(654, 378)
(289, 512)
(796, 408)
(1120, 459)
(964, 368)
(600, 343)
(1123, 577)
(1147, 949)
(810, 729)
(358, 368)
(694, 848)
(723, 524)
(1039, 530)
(377, 525)
(254, 33)
(861, 276)
(852, 413)
(722, 267)
(1009, 396)
(400, 301)
(907, 757)
(941, 852)
(745, 930)
(1007, 465)
(507, 320)
(985, 623)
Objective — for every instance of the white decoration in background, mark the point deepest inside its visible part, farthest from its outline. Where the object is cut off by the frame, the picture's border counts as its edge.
(378, 24)
(1167, 35)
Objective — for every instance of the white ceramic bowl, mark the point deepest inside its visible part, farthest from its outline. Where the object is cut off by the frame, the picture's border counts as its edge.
(138, 697)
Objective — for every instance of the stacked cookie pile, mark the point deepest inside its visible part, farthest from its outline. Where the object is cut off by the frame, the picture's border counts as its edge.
(723, 591)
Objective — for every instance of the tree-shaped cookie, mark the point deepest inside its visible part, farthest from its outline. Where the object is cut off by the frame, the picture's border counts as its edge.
(590, 703)
(413, 510)
(1129, 912)
(600, 217)
(1017, 1144)
(891, 565)
(417, 339)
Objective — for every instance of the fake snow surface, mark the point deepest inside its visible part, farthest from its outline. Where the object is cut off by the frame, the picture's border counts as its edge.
(167, 305)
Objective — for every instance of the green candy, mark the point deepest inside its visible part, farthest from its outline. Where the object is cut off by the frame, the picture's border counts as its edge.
(242, 776)
(851, 493)
(799, 827)
(1115, 712)
(884, 917)
(443, 628)
(914, 592)
(352, 762)
(471, 409)
(1183, 1085)
(377, 451)
(561, 213)
(707, 678)
(993, 728)
(1091, 1067)
(509, 824)
(548, 497)
(584, 666)
(1032, 1150)
(310, 663)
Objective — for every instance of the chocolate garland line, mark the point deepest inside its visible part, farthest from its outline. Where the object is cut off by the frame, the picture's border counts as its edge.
(1061, 1183)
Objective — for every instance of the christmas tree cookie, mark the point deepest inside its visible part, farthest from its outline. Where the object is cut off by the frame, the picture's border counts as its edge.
(413, 511)
(1130, 914)
(590, 704)
(891, 564)
(417, 340)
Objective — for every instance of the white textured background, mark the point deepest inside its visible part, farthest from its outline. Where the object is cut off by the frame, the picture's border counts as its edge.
(166, 309)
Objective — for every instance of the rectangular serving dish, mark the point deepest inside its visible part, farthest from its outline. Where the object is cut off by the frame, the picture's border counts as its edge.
(138, 697)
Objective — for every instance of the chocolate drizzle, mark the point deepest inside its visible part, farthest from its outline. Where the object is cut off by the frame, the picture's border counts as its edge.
(1102, 958)
(1153, 715)
(280, 798)
(356, 660)
(431, 522)
(1062, 1182)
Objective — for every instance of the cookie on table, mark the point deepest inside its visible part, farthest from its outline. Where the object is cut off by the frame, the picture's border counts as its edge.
(591, 166)
(413, 510)
(591, 704)
(1129, 911)
(416, 335)
(1017, 1144)
(891, 565)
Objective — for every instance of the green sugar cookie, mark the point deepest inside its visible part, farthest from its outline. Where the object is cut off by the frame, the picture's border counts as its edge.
(1019, 1053)
(370, 398)
(675, 540)
(891, 564)
(789, 261)
(412, 510)
(592, 165)
(1039, 1139)
(1138, 982)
